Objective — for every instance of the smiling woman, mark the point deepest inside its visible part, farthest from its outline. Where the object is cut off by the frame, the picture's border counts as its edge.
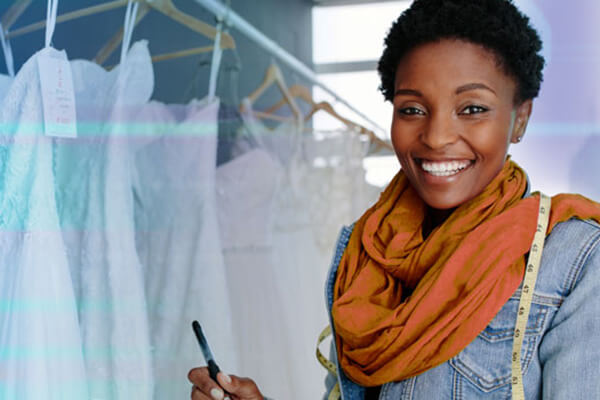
(454, 119)
(426, 291)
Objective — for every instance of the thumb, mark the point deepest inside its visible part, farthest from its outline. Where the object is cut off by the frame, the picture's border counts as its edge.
(241, 388)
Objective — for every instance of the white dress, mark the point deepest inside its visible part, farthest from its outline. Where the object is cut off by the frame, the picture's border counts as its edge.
(179, 245)
(5, 84)
(95, 206)
(39, 331)
(246, 188)
(322, 187)
(295, 257)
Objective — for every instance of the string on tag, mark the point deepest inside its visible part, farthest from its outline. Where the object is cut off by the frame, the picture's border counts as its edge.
(50, 20)
(130, 18)
(8, 54)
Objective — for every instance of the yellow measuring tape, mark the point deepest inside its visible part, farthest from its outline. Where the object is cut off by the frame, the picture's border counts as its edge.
(531, 272)
(335, 393)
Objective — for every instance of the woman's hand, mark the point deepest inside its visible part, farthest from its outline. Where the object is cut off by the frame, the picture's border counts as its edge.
(237, 388)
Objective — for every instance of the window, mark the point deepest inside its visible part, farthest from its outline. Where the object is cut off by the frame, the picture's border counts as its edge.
(347, 42)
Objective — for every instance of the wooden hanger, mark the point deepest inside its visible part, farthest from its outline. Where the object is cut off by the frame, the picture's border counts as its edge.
(168, 8)
(13, 13)
(299, 91)
(328, 108)
(115, 41)
(182, 53)
(165, 7)
(303, 93)
(273, 75)
(69, 16)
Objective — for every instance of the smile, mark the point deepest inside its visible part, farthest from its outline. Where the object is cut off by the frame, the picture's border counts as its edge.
(444, 168)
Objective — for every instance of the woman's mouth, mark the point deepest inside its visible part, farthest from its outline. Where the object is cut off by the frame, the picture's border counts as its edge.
(444, 168)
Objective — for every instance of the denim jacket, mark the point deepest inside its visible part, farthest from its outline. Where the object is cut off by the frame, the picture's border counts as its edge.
(560, 358)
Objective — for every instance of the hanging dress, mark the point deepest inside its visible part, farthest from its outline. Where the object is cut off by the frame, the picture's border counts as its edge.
(95, 206)
(6, 82)
(322, 188)
(39, 331)
(335, 186)
(246, 188)
(298, 272)
(179, 245)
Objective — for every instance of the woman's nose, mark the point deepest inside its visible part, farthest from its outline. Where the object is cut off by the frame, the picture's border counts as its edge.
(439, 132)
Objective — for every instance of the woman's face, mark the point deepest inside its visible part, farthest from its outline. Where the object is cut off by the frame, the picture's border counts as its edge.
(454, 118)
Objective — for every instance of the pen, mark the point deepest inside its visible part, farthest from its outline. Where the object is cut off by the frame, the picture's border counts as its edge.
(213, 368)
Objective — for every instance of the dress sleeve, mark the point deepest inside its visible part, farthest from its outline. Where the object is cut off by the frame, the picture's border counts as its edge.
(570, 350)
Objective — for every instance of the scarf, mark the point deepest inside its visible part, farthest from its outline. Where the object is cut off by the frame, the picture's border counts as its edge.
(404, 304)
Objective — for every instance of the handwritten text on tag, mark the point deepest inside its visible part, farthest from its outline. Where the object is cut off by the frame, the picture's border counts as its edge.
(58, 96)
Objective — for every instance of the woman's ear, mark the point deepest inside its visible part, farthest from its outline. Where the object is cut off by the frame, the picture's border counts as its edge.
(521, 119)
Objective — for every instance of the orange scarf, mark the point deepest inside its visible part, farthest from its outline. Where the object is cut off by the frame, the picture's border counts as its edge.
(403, 305)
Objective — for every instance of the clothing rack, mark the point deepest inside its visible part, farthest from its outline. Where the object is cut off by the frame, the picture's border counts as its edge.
(230, 18)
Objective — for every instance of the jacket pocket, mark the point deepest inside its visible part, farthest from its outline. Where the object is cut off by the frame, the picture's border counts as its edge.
(486, 362)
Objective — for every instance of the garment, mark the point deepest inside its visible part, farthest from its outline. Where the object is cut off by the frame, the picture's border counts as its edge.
(5, 83)
(246, 188)
(178, 241)
(560, 354)
(290, 235)
(42, 353)
(95, 206)
(334, 186)
(320, 186)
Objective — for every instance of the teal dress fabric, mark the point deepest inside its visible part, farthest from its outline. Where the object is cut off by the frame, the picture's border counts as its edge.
(42, 356)
(95, 208)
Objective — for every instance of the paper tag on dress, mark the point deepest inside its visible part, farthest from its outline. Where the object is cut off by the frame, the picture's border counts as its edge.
(58, 95)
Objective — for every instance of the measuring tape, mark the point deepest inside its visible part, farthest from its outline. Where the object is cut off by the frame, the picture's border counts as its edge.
(531, 272)
(335, 393)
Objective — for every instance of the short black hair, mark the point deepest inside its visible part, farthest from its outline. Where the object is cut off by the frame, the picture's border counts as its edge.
(497, 25)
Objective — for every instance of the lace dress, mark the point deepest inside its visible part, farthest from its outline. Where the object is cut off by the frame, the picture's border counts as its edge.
(179, 244)
(42, 354)
(246, 188)
(95, 206)
(322, 187)
(5, 84)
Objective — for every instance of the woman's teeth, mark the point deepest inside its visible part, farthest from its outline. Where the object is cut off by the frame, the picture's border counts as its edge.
(444, 168)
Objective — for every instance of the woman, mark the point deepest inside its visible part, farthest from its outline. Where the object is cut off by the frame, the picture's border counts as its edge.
(425, 286)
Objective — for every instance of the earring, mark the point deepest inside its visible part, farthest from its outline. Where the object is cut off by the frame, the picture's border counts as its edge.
(518, 139)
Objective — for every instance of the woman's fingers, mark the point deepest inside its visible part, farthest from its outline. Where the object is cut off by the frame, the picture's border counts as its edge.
(198, 395)
(240, 388)
(204, 387)
(231, 387)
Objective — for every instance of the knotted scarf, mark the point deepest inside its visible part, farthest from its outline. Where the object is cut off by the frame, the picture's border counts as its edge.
(404, 304)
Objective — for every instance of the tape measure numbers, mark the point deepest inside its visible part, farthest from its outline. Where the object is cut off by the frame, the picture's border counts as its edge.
(531, 273)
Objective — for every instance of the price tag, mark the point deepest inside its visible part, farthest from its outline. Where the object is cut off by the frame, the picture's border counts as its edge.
(58, 96)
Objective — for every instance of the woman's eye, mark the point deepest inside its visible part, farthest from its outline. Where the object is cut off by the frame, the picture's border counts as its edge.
(473, 110)
(410, 111)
